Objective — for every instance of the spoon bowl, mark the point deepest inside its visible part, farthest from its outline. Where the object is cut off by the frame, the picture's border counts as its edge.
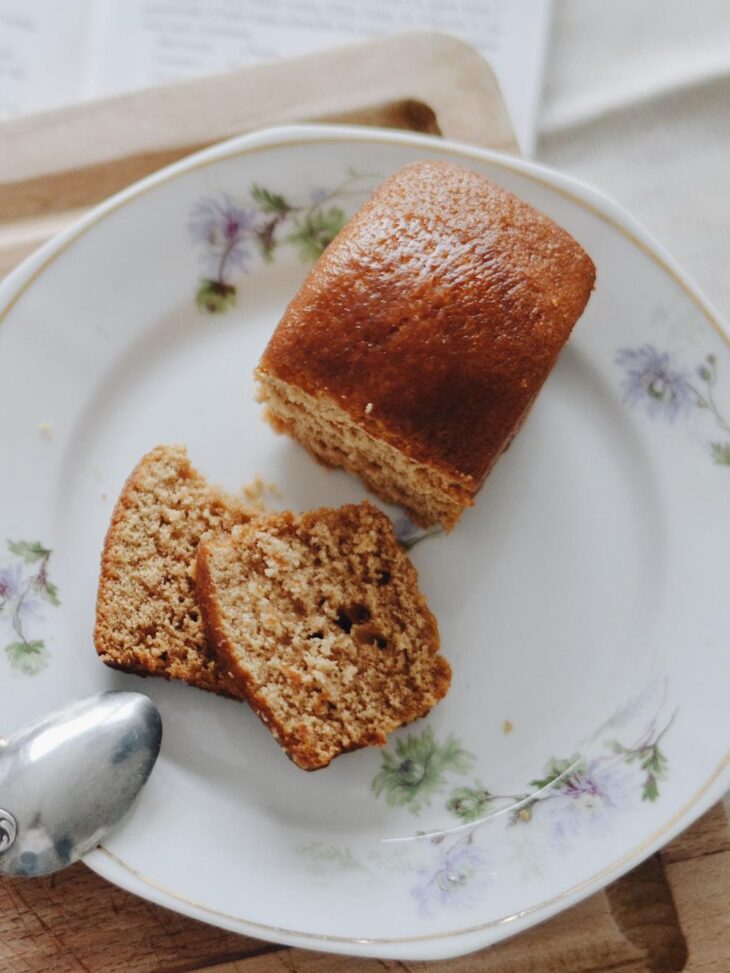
(69, 778)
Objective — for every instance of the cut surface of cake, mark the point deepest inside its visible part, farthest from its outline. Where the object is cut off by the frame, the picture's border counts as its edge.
(420, 339)
(147, 618)
(319, 620)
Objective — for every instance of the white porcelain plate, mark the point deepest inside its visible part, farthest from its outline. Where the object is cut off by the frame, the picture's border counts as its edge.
(582, 604)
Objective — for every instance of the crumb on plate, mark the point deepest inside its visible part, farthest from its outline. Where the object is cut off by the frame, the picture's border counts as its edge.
(258, 491)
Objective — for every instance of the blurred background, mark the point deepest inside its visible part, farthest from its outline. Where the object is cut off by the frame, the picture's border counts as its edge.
(633, 97)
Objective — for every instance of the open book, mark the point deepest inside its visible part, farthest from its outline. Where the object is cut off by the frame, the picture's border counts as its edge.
(54, 53)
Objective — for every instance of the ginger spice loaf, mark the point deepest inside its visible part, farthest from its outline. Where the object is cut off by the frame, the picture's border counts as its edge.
(147, 619)
(319, 621)
(418, 342)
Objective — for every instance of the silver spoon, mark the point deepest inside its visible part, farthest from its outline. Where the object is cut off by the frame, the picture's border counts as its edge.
(69, 778)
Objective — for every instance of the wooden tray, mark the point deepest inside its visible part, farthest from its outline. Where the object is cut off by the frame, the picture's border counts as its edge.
(667, 916)
(54, 165)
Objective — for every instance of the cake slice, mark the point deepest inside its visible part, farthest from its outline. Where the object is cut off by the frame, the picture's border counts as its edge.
(318, 620)
(147, 618)
(420, 339)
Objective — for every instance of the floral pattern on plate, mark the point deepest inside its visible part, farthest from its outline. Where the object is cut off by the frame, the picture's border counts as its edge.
(410, 533)
(24, 587)
(573, 796)
(418, 769)
(229, 230)
(665, 390)
(580, 797)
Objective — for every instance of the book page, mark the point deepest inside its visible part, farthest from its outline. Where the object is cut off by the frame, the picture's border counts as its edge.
(54, 53)
(40, 42)
(139, 43)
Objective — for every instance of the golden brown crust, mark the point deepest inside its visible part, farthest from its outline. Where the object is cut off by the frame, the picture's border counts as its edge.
(435, 317)
(146, 616)
(314, 721)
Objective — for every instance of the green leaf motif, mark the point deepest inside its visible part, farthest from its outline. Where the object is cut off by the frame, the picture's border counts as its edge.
(650, 790)
(330, 858)
(556, 773)
(417, 770)
(269, 202)
(655, 766)
(652, 762)
(316, 231)
(50, 592)
(469, 803)
(721, 453)
(215, 296)
(27, 657)
(30, 551)
(265, 236)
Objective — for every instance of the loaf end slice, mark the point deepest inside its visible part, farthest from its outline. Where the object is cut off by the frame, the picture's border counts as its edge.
(147, 617)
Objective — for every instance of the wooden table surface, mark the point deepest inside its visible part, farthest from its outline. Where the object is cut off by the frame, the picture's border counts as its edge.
(669, 915)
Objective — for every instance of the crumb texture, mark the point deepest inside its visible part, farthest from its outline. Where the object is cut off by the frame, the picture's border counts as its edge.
(335, 439)
(431, 322)
(319, 620)
(147, 617)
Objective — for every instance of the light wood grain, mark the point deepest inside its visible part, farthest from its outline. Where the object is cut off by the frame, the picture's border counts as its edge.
(698, 873)
(75, 922)
(81, 154)
(56, 165)
(713, 837)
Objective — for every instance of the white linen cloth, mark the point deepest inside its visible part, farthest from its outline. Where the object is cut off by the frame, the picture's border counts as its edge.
(637, 102)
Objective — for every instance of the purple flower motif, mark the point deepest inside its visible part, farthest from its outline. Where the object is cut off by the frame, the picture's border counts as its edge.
(457, 881)
(588, 798)
(28, 608)
(10, 582)
(224, 229)
(16, 603)
(409, 534)
(651, 380)
(319, 196)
